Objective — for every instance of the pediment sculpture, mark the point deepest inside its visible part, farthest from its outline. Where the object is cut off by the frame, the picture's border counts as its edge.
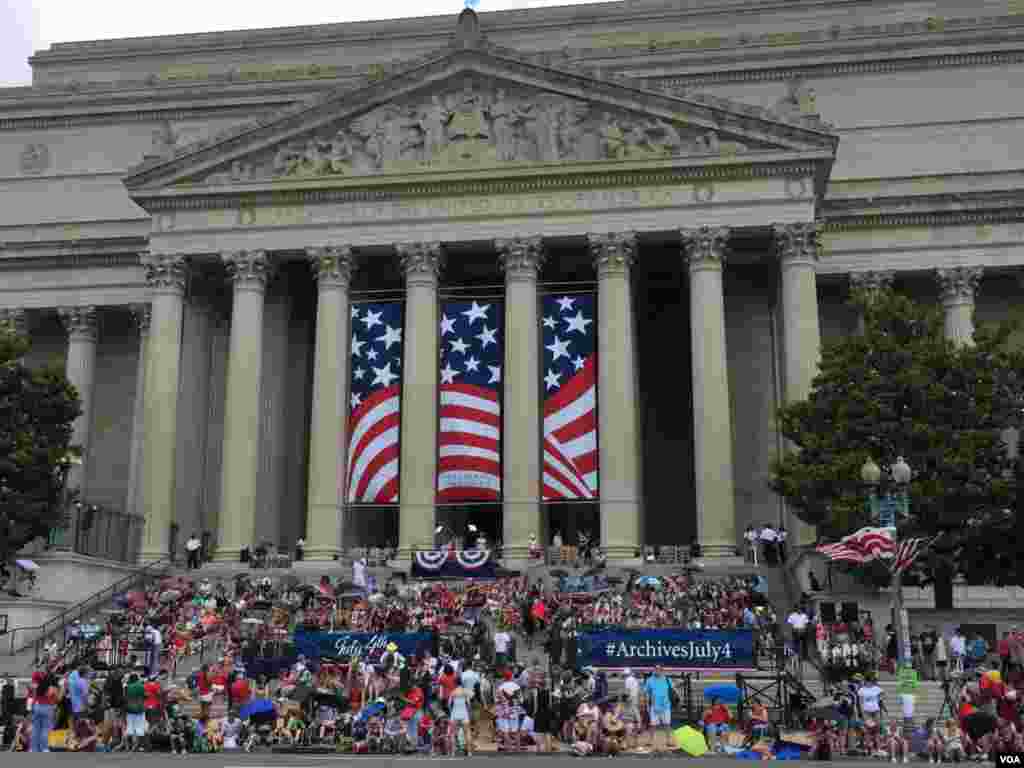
(476, 127)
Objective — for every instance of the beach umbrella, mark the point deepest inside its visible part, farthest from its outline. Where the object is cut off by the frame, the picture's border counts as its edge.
(726, 693)
(27, 565)
(257, 707)
(652, 582)
(690, 740)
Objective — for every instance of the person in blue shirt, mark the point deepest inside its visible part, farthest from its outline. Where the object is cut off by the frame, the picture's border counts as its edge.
(659, 703)
(78, 690)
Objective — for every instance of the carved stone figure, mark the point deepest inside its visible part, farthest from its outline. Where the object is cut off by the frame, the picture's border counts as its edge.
(467, 120)
(434, 122)
(546, 126)
(613, 138)
(506, 118)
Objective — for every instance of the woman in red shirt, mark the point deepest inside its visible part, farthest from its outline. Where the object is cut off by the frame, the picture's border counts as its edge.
(204, 687)
(154, 699)
(447, 682)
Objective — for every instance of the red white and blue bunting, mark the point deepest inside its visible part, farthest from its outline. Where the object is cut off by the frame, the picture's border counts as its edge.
(464, 564)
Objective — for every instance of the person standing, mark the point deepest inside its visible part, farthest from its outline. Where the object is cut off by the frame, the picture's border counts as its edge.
(928, 641)
(780, 538)
(44, 705)
(768, 538)
(958, 649)
(78, 692)
(135, 713)
(798, 622)
(632, 688)
(659, 704)
(192, 549)
(750, 537)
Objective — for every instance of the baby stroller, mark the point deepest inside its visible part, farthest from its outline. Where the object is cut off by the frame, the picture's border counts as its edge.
(260, 716)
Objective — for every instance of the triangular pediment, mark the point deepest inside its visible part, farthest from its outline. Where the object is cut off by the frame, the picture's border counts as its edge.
(473, 106)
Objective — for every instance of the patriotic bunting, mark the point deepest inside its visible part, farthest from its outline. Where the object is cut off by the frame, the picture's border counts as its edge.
(375, 403)
(472, 347)
(569, 338)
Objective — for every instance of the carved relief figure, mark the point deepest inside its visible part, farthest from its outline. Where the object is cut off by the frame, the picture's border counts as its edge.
(434, 122)
(467, 120)
(613, 138)
(546, 118)
(35, 158)
(506, 118)
(163, 140)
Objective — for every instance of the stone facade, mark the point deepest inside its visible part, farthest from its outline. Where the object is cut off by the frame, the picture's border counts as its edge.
(714, 174)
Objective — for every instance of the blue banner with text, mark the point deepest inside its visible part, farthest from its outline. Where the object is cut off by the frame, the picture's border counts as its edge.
(670, 648)
(369, 646)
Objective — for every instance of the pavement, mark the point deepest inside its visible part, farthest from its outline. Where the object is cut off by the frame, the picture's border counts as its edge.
(276, 760)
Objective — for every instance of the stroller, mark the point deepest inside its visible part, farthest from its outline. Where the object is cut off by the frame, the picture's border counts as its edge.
(260, 716)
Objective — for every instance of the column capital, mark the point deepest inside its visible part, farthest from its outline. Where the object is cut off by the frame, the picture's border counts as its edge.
(870, 281)
(81, 323)
(613, 252)
(248, 270)
(704, 247)
(421, 262)
(521, 258)
(142, 314)
(166, 273)
(333, 265)
(798, 243)
(14, 318)
(959, 284)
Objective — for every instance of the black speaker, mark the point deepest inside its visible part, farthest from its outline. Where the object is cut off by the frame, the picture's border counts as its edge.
(851, 612)
(828, 613)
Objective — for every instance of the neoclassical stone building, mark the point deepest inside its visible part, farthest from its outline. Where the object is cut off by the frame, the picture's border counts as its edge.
(193, 224)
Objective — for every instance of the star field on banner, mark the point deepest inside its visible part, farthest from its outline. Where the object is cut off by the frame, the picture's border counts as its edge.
(569, 338)
(375, 395)
(469, 436)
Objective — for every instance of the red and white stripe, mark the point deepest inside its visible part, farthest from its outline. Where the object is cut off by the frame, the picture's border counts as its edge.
(373, 448)
(841, 552)
(570, 438)
(872, 542)
(469, 439)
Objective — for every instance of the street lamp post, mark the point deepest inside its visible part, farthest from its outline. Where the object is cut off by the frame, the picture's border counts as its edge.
(886, 511)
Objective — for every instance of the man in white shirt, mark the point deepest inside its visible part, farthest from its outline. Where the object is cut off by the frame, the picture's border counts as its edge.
(798, 622)
(502, 642)
(192, 547)
(958, 649)
(750, 536)
(632, 686)
(768, 538)
(359, 573)
(155, 641)
(870, 696)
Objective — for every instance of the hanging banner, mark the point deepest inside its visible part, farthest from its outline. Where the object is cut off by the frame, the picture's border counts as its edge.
(368, 646)
(569, 338)
(375, 399)
(678, 649)
(469, 434)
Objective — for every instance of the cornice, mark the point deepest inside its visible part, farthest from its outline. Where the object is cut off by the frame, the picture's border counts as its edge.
(70, 261)
(957, 209)
(175, 114)
(410, 189)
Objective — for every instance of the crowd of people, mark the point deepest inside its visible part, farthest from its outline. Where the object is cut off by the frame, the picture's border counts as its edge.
(500, 671)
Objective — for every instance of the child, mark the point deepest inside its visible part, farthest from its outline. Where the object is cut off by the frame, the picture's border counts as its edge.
(296, 727)
(375, 733)
(937, 744)
(328, 718)
(179, 745)
(394, 734)
(954, 742)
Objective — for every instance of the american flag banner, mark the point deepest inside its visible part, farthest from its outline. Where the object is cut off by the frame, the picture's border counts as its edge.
(841, 552)
(908, 551)
(569, 338)
(472, 346)
(375, 399)
(862, 546)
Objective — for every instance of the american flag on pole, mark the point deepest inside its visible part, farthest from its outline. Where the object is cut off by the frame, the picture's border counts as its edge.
(569, 338)
(375, 395)
(469, 436)
(907, 552)
(866, 544)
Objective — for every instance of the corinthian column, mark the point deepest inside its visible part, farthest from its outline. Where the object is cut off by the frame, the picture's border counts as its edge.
(704, 251)
(15, 319)
(868, 284)
(520, 486)
(332, 268)
(617, 408)
(417, 464)
(801, 334)
(166, 277)
(959, 286)
(142, 314)
(81, 325)
(249, 271)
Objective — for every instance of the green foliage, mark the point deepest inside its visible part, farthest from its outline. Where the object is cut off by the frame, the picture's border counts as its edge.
(37, 409)
(902, 389)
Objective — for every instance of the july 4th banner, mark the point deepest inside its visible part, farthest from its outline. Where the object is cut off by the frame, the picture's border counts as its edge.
(677, 649)
(472, 346)
(375, 400)
(569, 338)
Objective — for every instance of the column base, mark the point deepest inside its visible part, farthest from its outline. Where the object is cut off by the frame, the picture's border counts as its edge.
(224, 555)
(319, 555)
(147, 556)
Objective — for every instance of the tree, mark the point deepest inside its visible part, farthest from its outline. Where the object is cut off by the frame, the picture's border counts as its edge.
(902, 389)
(37, 409)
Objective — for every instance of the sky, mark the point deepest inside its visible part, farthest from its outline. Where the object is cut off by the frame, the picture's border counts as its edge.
(27, 26)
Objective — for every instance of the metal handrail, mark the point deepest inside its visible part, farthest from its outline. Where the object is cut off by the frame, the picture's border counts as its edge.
(59, 622)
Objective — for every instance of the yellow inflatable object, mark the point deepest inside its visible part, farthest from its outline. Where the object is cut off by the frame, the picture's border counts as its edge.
(690, 740)
(995, 676)
(58, 739)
